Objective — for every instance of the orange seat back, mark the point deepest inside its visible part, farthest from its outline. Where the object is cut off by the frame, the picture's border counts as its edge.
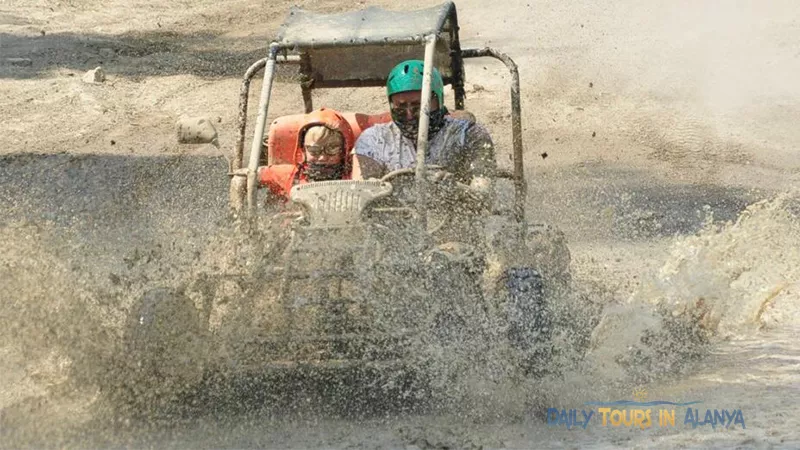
(282, 145)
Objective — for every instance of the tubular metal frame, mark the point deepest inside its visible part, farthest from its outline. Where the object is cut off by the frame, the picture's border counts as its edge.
(308, 84)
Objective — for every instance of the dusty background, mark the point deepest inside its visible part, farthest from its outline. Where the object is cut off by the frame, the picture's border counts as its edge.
(649, 114)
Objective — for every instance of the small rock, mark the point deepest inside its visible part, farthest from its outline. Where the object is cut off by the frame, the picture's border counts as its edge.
(594, 133)
(96, 75)
(591, 85)
(107, 53)
(477, 88)
(19, 62)
(196, 130)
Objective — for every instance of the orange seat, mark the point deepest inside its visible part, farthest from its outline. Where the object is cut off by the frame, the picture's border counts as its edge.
(283, 132)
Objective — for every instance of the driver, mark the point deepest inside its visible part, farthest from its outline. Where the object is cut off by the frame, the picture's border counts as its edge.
(465, 149)
(324, 141)
(462, 147)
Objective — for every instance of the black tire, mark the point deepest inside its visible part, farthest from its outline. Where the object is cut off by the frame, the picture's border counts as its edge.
(530, 319)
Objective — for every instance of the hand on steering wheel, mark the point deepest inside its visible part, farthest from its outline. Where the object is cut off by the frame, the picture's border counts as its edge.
(439, 179)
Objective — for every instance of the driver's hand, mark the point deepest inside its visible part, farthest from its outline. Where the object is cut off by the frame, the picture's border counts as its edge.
(477, 195)
(442, 177)
(481, 186)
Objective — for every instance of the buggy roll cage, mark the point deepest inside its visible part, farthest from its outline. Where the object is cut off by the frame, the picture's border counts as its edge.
(331, 50)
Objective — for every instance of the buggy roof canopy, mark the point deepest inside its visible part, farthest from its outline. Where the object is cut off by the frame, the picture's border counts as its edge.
(359, 48)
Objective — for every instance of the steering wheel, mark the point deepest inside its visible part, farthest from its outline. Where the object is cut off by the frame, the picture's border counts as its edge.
(409, 171)
(449, 188)
(407, 175)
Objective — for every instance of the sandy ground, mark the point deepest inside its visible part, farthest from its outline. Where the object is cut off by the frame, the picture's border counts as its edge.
(649, 114)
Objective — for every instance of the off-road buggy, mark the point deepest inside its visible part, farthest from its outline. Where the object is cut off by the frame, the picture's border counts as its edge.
(388, 274)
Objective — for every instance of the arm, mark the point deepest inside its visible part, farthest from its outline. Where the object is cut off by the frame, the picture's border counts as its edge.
(366, 162)
(482, 163)
(365, 168)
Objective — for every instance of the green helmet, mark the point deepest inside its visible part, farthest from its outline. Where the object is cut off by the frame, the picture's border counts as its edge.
(407, 76)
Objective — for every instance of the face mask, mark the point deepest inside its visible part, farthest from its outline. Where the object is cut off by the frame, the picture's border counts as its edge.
(324, 172)
(410, 127)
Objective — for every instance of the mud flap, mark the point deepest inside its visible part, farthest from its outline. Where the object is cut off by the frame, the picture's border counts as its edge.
(529, 317)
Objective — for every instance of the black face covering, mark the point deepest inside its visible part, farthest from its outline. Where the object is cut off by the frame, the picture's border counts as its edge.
(324, 172)
(410, 127)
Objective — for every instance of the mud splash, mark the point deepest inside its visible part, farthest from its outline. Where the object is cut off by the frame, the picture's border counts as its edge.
(70, 298)
(727, 280)
(746, 272)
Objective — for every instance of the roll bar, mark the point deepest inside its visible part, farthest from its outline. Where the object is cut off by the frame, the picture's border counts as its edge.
(269, 63)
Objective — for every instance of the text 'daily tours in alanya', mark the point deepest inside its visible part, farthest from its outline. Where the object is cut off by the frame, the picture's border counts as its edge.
(645, 414)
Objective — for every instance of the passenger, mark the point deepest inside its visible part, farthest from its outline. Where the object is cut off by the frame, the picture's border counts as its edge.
(325, 142)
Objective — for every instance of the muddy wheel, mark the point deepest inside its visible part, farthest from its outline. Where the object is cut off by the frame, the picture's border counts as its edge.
(527, 280)
(165, 347)
(530, 319)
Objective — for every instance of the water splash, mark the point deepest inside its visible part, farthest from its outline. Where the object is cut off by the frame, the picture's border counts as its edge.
(745, 273)
(727, 279)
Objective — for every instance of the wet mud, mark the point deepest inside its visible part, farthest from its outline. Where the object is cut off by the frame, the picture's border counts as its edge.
(83, 235)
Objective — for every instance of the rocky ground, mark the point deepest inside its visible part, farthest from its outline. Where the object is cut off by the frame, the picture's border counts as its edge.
(640, 118)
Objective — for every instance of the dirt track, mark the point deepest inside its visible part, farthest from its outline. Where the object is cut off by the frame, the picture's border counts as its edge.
(646, 112)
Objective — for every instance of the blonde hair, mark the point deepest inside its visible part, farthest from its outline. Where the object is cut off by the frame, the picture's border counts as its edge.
(321, 135)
